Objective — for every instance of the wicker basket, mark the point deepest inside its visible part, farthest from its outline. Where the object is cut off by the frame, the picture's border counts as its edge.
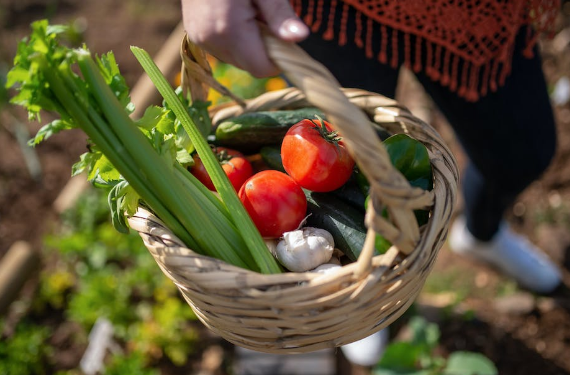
(303, 312)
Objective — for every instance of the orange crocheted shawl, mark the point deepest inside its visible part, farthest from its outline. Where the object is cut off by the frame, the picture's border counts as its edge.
(479, 33)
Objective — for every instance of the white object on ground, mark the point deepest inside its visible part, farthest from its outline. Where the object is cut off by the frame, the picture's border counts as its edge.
(511, 253)
(367, 351)
(561, 94)
(100, 339)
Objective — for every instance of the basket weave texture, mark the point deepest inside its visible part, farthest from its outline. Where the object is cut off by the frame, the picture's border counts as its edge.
(304, 312)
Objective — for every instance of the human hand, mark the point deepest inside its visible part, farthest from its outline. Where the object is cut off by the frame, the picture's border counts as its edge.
(229, 30)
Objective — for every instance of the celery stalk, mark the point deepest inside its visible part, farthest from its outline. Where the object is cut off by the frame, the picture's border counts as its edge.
(203, 225)
(113, 151)
(242, 221)
(97, 102)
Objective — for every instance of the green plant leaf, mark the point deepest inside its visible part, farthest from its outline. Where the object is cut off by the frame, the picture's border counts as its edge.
(130, 363)
(25, 351)
(156, 117)
(469, 363)
(50, 129)
(110, 71)
(401, 372)
(400, 356)
(104, 294)
(184, 158)
(102, 171)
(122, 198)
(424, 333)
(199, 113)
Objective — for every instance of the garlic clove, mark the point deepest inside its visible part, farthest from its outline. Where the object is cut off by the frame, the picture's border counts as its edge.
(271, 245)
(304, 249)
(327, 268)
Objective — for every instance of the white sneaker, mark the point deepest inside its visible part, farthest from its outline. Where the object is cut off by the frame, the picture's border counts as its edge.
(511, 253)
(368, 351)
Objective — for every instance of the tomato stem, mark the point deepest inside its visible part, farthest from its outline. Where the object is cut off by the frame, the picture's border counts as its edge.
(222, 155)
(330, 136)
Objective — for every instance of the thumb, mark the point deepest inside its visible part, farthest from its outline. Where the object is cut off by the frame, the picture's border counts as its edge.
(282, 20)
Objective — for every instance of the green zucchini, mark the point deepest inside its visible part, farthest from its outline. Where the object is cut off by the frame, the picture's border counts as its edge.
(350, 193)
(342, 220)
(251, 131)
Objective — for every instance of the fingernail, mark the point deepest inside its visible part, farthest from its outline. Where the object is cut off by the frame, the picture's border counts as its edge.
(293, 29)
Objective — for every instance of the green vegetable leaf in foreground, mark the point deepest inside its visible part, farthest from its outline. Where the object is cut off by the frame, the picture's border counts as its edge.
(45, 73)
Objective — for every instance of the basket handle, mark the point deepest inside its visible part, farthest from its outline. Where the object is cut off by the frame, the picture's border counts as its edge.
(388, 187)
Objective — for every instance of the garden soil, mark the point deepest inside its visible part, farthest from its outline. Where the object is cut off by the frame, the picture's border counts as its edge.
(521, 333)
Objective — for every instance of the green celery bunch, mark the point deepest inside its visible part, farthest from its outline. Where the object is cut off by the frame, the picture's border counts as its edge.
(143, 162)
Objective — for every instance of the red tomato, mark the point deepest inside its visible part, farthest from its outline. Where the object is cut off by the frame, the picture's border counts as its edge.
(315, 157)
(275, 202)
(237, 168)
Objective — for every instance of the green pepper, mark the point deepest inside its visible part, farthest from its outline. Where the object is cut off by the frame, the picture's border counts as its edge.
(411, 158)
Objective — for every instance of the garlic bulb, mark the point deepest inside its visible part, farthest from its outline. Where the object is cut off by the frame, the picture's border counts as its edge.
(304, 249)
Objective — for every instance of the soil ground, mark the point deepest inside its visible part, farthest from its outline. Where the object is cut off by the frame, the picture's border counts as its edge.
(521, 333)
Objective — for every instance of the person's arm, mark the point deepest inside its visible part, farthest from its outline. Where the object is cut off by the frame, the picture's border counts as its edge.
(228, 29)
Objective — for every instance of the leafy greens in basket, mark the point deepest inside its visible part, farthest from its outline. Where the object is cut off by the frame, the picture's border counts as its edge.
(140, 162)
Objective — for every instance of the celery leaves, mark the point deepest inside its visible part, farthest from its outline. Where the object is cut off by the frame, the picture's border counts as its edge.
(140, 163)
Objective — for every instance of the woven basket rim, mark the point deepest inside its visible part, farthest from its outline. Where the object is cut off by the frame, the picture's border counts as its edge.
(257, 311)
(301, 312)
(221, 112)
(153, 232)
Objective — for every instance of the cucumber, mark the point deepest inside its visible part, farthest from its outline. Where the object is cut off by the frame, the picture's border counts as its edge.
(343, 221)
(271, 155)
(350, 193)
(251, 131)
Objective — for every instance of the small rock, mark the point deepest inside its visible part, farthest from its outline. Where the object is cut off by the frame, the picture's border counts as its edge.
(515, 304)
(546, 305)
(481, 279)
(212, 360)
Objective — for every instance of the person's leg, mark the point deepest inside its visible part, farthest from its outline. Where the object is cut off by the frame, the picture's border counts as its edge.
(510, 139)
